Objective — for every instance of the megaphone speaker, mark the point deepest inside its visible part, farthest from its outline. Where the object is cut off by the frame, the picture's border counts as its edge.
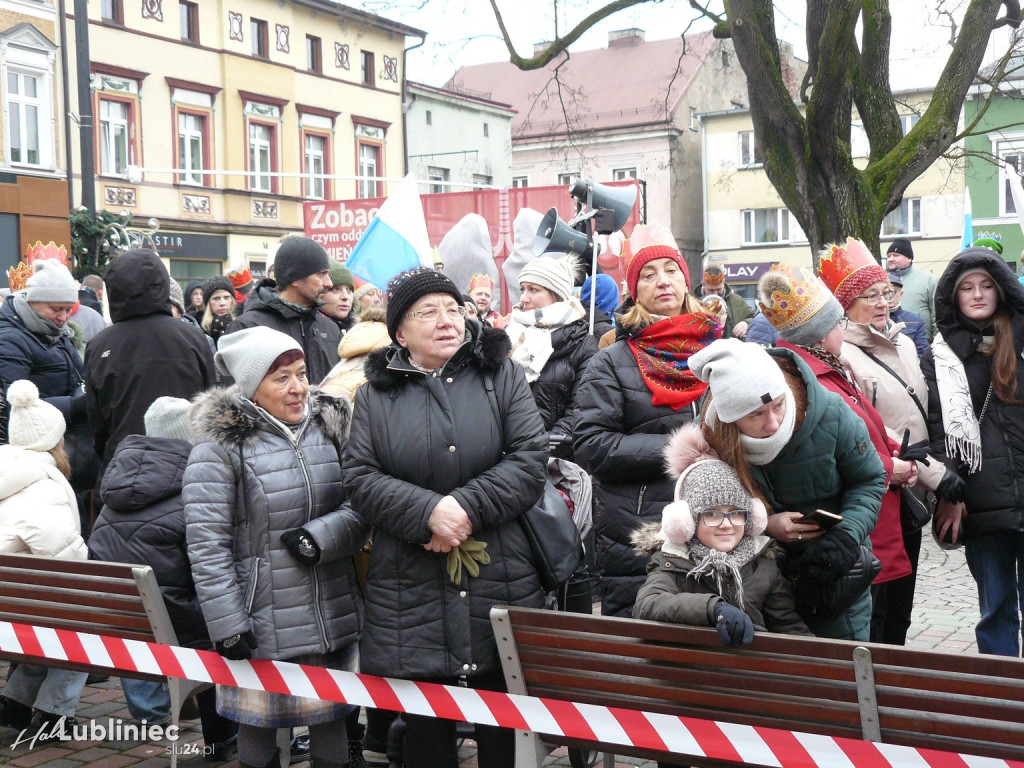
(553, 234)
(619, 199)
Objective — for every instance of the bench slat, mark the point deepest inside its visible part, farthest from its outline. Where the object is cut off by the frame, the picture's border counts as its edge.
(84, 598)
(70, 582)
(96, 621)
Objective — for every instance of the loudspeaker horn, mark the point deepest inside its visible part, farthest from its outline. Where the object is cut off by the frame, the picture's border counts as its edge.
(553, 234)
(619, 199)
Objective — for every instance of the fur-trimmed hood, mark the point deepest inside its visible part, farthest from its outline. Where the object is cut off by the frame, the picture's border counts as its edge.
(224, 417)
(485, 347)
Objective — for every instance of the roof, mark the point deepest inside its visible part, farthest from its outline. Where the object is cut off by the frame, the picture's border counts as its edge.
(457, 96)
(604, 89)
(364, 17)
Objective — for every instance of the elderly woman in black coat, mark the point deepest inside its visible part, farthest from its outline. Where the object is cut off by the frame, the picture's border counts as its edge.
(446, 452)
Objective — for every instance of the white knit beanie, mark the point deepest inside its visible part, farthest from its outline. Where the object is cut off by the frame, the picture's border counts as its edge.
(168, 417)
(557, 275)
(51, 282)
(742, 377)
(247, 355)
(35, 424)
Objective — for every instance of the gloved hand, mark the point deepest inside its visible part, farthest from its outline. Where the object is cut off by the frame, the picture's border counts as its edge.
(237, 647)
(952, 487)
(733, 625)
(914, 452)
(78, 412)
(828, 557)
(301, 546)
(559, 444)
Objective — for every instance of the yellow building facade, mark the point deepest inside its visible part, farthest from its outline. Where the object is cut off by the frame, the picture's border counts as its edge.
(221, 118)
(748, 226)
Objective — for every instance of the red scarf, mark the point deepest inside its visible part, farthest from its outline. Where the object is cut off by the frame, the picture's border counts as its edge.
(661, 351)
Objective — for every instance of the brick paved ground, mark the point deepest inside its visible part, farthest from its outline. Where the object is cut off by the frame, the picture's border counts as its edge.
(944, 616)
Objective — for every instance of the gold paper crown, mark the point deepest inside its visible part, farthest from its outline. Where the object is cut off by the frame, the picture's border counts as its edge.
(849, 269)
(794, 295)
(240, 278)
(51, 250)
(481, 281)
(17, 277)
(714, 278)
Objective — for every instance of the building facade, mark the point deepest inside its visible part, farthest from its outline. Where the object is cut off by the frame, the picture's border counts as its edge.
(33, 181)
(748, 226)
(219, 119)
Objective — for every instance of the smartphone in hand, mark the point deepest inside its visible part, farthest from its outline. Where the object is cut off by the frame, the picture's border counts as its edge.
(821, 518)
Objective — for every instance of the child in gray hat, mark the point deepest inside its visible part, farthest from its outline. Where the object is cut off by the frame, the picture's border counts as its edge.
(710, 564)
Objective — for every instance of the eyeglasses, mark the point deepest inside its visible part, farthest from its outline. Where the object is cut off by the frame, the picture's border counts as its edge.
(714, 517)
(844, 323)
(430, 314)
(878, 298)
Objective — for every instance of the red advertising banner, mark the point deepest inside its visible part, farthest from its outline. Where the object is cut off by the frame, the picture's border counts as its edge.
(338, 224)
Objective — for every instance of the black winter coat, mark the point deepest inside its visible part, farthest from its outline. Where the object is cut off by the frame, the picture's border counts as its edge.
(995, 493)
(415, 438)
(143, 521)
(556, 387)
(619, 438)
(317, 334)
(144, 355)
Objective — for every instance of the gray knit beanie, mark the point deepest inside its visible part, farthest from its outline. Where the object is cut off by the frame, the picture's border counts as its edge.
(168, 416)
(51, 282)
(558, 275)
(709, 483)
(799, 305)
(298, 258)
(742, 377)
(247, 355)
(177, 297)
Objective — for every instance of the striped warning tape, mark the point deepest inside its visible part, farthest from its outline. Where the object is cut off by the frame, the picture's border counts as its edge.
(748, 745)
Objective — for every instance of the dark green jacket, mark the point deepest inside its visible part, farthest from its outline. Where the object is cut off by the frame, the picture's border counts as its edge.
(830, 464)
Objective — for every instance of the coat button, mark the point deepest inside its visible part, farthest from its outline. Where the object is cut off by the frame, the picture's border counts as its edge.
(465, 666)
(473, 666)
(449, 379)
(451, 449)
(462, 594)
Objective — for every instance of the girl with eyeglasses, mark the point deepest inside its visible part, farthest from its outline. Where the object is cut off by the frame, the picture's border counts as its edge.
(711, 564)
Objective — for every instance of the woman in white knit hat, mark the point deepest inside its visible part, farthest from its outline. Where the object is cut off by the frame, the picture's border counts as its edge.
(38, 516)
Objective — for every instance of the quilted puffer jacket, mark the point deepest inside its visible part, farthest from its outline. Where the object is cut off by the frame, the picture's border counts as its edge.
(415, 438)
(246, 483)
(619, 438)
(556, 387)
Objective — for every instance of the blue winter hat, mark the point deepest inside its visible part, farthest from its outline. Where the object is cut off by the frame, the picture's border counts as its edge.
(607, 293)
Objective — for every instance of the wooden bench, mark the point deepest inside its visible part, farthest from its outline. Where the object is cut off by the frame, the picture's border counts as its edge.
(957, 702)
(113, 599)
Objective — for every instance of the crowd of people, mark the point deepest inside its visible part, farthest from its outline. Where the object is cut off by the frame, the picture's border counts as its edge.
(335, 474)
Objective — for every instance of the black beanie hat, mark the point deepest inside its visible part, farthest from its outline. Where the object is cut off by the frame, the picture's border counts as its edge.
(406, 288)
(902, 246)
(297, 258)
(214, 284)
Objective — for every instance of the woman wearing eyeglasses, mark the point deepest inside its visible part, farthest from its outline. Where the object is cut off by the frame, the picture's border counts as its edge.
(883, 361)
(447, 451)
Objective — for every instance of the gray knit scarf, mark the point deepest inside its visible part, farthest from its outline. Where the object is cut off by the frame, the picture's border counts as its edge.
(36, 323)
(723, 567)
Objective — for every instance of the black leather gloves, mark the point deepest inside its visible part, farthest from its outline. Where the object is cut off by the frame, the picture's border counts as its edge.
(302, 546)
(952, 487)
(914, 451)
(733, 625)
(237, 647)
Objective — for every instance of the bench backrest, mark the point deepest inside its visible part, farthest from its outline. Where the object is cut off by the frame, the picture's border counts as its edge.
(114, 599)
(966, 703)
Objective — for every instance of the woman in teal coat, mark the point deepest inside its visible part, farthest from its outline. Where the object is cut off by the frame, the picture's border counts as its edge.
(799, 448)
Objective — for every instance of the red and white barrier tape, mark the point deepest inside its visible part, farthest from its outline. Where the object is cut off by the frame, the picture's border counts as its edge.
(612, 725)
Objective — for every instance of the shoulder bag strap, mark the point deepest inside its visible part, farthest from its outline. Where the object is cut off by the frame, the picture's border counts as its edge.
(910, 390)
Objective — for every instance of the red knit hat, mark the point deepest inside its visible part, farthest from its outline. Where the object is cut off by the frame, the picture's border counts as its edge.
(647, 243)
(848, 269)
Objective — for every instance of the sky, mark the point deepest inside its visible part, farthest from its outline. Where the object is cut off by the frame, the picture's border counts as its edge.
(462, 32)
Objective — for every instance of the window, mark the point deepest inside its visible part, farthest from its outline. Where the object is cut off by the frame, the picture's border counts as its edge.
(430, 118)
(1011, 155)
(188, 20)
(191, 140)
(694, 125)
(566, 179)
(481, 180)
(520, 182)
(621, 174)
(25, 126)
(487, 131)
(436, 176)
(905, 220)
(261, 157)
(366, 71)
(115, 139)
(259, 34)
(765, 225)
(113, 11)
(907, 122)
(369, 166)
(750, 152)
(316, 166)
(314, 59)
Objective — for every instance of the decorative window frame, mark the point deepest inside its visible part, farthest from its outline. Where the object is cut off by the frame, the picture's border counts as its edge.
(118, 84)
(27, 50)
(328, 137)
(182, 108)
(1003, 145)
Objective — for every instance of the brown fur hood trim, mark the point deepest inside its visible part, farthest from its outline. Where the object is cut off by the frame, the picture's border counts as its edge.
(221, 416)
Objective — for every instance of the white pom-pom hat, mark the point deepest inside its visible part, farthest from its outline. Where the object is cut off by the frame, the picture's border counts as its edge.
(34, 424)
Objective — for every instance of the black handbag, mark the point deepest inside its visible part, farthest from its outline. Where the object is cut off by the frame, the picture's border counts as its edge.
(851, 586)
(553, 537)
(914, 513)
